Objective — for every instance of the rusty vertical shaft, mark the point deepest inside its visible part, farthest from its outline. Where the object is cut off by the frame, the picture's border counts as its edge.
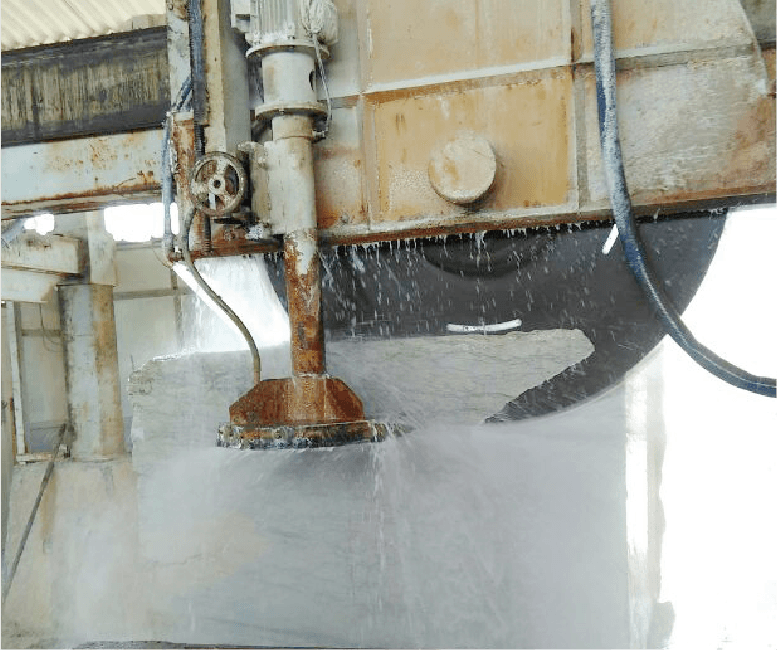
(292, 144)
(316, 408)
(303, 288)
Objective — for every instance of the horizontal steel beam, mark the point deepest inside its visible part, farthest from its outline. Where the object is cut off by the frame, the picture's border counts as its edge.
(52, 254)
(81, 175)
(34, 265)
(371, 176)
(27, 286)
(111, 84)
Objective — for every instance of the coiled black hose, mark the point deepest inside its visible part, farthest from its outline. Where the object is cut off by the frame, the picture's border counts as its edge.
(604, 59)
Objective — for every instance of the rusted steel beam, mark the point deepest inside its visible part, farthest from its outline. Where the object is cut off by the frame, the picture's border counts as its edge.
(79, 175)
(303, 290)
(474, 222)
(183, 138)
(44, 254)
(478, 222)
(377, 190)
(95, 86)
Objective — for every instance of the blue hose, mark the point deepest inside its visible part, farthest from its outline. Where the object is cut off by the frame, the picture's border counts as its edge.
(604, 59)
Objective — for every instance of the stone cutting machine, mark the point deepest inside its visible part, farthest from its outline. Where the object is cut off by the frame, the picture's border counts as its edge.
(485, 136)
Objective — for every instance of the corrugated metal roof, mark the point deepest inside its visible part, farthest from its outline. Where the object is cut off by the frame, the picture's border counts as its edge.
(34, 22)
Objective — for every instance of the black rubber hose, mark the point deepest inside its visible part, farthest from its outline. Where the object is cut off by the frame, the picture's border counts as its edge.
(187, 225)
(604, 59)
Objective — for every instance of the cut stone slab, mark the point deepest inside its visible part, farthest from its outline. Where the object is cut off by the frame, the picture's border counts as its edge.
(180, 401)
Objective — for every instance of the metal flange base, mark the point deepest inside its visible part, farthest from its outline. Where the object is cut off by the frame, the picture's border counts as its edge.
(303, 436)
(309, 410)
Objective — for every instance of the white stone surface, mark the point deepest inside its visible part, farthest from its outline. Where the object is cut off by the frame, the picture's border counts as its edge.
(451, 535)
(452, 379)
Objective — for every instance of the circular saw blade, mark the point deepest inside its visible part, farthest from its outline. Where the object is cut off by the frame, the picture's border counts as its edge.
(569, 277)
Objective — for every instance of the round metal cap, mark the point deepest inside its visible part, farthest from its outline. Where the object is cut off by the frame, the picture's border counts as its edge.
(463, 169)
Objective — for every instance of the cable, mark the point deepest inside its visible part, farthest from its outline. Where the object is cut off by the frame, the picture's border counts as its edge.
(216, 298)
(31, 520)
(326, 87)
(319, 19)
(604, 59)
(183, 95)
(167, 172)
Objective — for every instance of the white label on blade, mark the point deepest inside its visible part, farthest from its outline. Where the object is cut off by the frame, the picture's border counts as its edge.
(610, 242)
(485, 329)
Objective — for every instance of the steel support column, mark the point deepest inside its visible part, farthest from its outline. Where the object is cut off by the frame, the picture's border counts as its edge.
(91, 354)
(293, 153)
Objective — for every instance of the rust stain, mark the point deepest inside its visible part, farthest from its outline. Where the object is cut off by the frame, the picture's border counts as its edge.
(303, 294)
(334, 150)
(338, 186)
(708, 198)
(301, 400)
(756, 126)
(411, 39)
(525, 122)
(184, 144)
(573, 53)
(443, 88)
(179, 8)
(80, 200)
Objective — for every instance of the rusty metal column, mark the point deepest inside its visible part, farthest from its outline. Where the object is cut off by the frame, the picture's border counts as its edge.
(292, 139)
(287, 80)
(310, 408)
(303, 287)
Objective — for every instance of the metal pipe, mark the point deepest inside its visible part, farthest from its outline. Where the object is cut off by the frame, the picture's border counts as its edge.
(604, 63)
(293, 152)
(287, 78)
(167, 193)
(167, 169)
(303, 289)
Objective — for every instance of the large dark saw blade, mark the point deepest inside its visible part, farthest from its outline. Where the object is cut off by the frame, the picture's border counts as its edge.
(556, 278)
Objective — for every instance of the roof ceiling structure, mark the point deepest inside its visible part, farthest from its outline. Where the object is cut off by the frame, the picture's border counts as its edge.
(26, 23)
